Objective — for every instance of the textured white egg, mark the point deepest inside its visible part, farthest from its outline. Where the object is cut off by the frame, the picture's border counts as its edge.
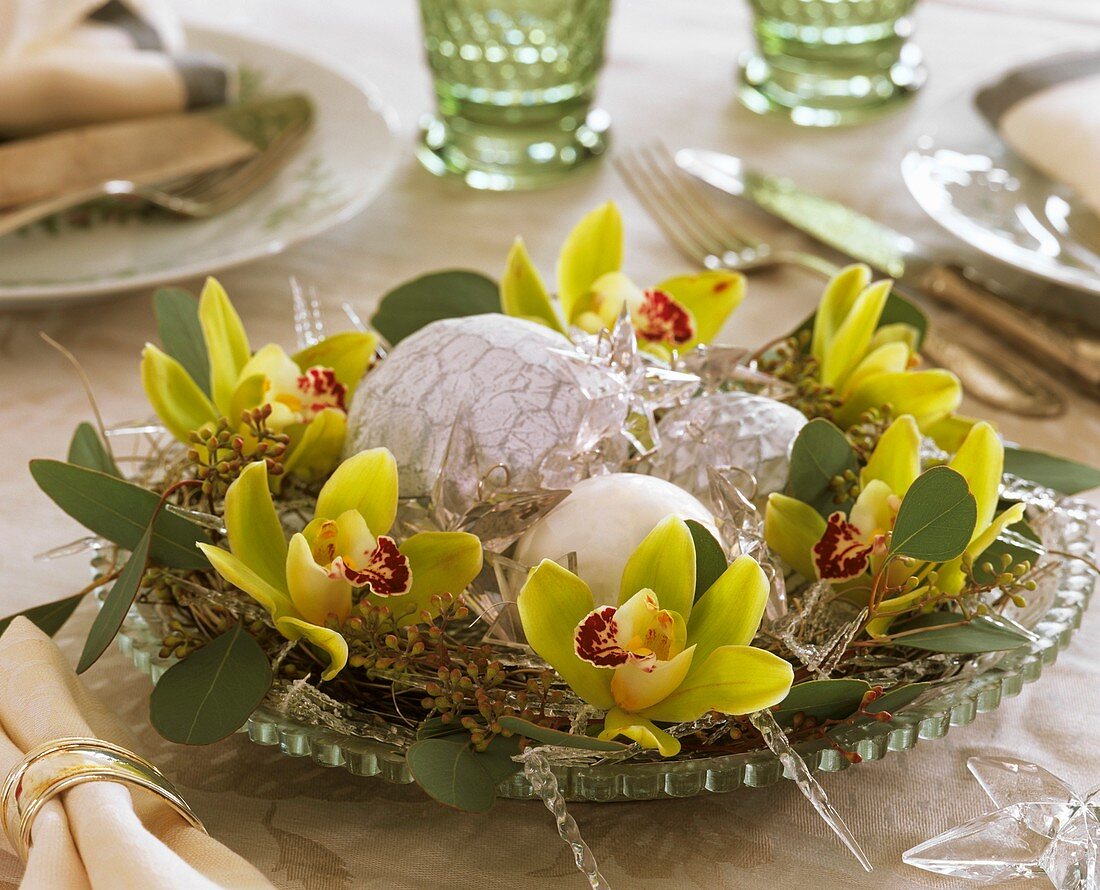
(521, 400)
(604, 520)
(727, 429)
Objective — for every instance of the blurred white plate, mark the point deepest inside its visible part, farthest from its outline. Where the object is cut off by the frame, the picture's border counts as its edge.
(341, 166)
(970, 182)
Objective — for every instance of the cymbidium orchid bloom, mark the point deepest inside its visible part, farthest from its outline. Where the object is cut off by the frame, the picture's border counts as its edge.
(308, 393)
(658, 655)
(869, 366)
(677, 314)
(344, 555)
(842, 548)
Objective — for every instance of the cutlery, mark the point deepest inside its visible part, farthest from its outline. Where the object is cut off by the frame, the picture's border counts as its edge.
(916, 269)
(269, 129)
(703, 237)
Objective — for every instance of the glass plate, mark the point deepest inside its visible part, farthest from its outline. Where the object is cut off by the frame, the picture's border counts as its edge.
(955, 703)
(970, 182)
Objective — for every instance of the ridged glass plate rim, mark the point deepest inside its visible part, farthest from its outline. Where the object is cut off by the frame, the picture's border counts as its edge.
(956, 704)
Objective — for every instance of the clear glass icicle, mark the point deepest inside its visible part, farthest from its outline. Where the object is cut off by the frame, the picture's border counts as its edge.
(796, 767)
(536, 768)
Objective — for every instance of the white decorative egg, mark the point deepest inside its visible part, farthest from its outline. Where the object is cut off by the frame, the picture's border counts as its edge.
(520, 399)
(603, 521)
(727, 429)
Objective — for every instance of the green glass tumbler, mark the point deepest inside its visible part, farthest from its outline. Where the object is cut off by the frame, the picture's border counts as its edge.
(825, 63)
(514, 83)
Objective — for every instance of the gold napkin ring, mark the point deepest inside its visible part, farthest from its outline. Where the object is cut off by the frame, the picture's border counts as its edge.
(56, 766)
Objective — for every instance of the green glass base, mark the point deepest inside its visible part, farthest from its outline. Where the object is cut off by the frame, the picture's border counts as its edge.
(509, 158)
(824, 100)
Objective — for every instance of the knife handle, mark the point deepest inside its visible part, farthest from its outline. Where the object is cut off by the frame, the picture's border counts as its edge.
(1058, 351)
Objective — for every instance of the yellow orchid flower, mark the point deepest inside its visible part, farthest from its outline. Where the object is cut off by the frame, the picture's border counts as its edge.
(657, 656)
(841, 548)
(678, 313)
(343, 556)
(868, 366)
(308, 392)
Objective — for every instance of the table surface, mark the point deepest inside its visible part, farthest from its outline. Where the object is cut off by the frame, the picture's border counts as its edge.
(669, 76)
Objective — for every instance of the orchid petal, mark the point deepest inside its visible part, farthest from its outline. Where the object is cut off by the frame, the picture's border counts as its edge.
(840, 295)
(349, 354)
(890, 358)
(993, 531)
(732, 680)
(888, 610)
(233, 570)
(665, 563)
(226, 342)
(791, 529)
(440, 562)
(552, 603)
(593, 247)
(927, 395)
(319, 449)
(896, 458)
(522, 292)
(641, 684)
(853, 337)
(949, 432)
(249, 394)
(981, 460)
(255, 532)
(315, 592)
(873, 513)
(329, 641)
(272, 362)
(366, 482)
(640, 730)
(710, 297)
(898, 332)
(177, 400)
(729, 613)
(609, 294)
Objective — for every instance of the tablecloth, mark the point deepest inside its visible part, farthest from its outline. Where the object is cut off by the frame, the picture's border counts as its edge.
(670, 76)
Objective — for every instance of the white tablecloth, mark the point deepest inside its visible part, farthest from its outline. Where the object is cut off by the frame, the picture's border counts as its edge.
(669, 76)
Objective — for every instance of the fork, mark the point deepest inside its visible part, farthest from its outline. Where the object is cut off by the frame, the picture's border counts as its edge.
(685, 215)
(196, 196)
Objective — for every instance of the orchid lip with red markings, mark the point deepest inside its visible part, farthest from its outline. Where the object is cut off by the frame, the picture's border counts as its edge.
(386, 573)
(596, 639)
(660, 319)
(841, 554)
(320, 389)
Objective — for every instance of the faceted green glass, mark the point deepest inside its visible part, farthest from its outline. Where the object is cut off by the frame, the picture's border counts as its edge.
(824, 63)
(514, 82)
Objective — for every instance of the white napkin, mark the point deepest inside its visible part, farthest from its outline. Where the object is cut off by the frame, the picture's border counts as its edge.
(1049, 113)
(95, 835)
(64, 63)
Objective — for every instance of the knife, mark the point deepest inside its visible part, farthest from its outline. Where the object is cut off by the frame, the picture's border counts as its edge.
(914, 268)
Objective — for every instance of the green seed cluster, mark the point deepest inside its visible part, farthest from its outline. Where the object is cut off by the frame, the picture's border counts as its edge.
(221, 450)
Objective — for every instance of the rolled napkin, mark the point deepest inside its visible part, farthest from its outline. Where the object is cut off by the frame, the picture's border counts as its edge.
(1048, 112)
(96, 835)
(64, 63)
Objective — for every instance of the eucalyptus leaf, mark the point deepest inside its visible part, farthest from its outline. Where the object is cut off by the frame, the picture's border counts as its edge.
(823, 699)
(177, 313)
(936, 518)
(820, 452)
(710, 559)
(896, 699)
(449, 770)
(49, 617)
(87, 449)
(943, 632)
(211, 693)
(116, 604)
(120, 512)
(1060, 473)
(417, 303)
(548, 736)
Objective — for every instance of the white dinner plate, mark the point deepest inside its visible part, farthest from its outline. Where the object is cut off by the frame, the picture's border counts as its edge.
(341, 166)
(971, 183)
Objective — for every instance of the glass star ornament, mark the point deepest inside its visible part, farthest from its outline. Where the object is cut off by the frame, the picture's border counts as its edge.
(1041, 828)
(644, 382)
